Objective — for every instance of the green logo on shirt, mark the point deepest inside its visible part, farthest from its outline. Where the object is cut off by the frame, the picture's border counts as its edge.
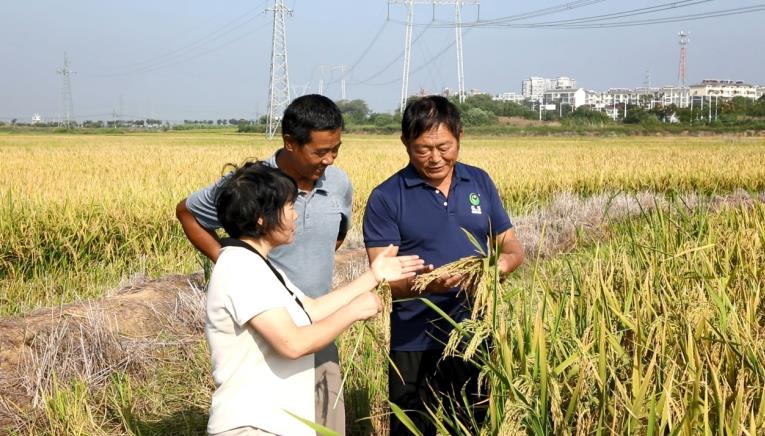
(475, 200)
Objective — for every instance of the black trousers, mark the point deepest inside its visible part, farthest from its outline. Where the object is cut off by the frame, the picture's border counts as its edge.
(426, 380)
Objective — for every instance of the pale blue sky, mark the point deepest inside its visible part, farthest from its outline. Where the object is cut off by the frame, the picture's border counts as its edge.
(209, 60)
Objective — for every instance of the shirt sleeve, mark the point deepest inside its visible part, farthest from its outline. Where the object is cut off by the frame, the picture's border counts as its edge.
(499, 219)
(252, 294)
(346, 210)
(380, 222)
(201, 205)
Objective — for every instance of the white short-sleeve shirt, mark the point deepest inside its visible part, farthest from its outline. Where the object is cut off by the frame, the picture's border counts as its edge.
(255, 386)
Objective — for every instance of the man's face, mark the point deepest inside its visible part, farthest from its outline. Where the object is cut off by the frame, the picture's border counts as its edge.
(434, 154)
(312, 158)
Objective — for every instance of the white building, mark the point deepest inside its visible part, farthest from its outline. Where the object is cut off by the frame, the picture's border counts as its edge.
(760, 91)
(564, 82)
(676, 95)
(568, 97)
(724, 89)
(533, 88)
(509, 96)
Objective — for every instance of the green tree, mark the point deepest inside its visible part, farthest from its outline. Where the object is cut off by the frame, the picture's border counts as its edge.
(354, 111)
(478, 117)
(382, 119)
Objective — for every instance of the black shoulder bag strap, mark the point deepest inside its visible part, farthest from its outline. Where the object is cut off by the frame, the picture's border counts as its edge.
(233, 242)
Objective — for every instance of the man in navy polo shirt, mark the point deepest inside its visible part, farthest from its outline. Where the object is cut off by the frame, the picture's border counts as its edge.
(421, 209)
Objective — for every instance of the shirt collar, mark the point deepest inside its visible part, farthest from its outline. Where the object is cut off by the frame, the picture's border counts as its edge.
(318, 187)
(412, 177)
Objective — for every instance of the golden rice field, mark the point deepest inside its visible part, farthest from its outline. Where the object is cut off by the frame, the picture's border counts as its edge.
(79, 213)
(655, 326)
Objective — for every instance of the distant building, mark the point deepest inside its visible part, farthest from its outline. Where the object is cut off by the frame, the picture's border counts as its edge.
(676, 95)
(509, 96)
(36, 119)
(534, 88)
(474, 91)
(569, 96)
(564, 83)
(724, 89)
(760, 91)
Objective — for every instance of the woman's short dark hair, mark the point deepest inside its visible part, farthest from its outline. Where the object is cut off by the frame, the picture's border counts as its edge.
(308, 113)
(426, 113)
(254, 190)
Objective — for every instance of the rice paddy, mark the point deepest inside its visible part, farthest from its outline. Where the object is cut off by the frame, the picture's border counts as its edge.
(639, 309)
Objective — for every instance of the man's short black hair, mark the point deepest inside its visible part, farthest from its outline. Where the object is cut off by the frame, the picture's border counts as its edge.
(308, 113)
(254, 190)
(426, 113)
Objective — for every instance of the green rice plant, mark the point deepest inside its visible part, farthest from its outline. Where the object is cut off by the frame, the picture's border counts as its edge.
(68, 411)
(657, 330)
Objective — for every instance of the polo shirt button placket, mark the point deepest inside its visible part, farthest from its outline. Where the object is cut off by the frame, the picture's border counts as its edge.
(437, 192)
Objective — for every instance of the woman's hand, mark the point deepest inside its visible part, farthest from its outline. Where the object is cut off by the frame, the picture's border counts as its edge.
(385, 267)
(366, 305)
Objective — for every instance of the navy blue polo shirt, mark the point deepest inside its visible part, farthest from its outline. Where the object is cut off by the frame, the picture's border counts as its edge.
(407, 212)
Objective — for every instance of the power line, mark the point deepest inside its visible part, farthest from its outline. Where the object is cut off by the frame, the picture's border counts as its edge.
(364, 53)
(597, 21)
(189, 51)
(427, 62)
(689, 17)
(565, 7)
(592, 22)
(392, 62)
(633, 12)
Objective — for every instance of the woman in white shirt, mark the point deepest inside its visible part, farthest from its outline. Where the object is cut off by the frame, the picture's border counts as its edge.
(262, 331)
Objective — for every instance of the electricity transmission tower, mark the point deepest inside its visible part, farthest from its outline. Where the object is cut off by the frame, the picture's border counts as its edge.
(67, 111)
(324, 69)
(408, 42)
(683, 65)
(279, 87)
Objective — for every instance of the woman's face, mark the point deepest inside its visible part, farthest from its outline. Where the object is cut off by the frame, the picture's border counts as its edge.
(286, 231)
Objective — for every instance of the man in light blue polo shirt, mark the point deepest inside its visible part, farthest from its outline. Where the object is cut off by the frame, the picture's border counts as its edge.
(422, 209)
(311, 134)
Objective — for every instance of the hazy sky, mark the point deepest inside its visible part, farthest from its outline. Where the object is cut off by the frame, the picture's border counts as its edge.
(210, 60)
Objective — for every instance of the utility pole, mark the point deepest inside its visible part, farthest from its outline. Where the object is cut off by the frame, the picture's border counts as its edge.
(626, 101)
(67, 109)
(540, 109)
(279, 85)
(408, 42)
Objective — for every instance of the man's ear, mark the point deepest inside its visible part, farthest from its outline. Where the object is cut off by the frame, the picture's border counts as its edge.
(289, 142)
(459, 138)
(403, 141)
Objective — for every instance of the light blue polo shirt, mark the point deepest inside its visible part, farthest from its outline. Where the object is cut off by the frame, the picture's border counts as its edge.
(323, 213)
(407, 212)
